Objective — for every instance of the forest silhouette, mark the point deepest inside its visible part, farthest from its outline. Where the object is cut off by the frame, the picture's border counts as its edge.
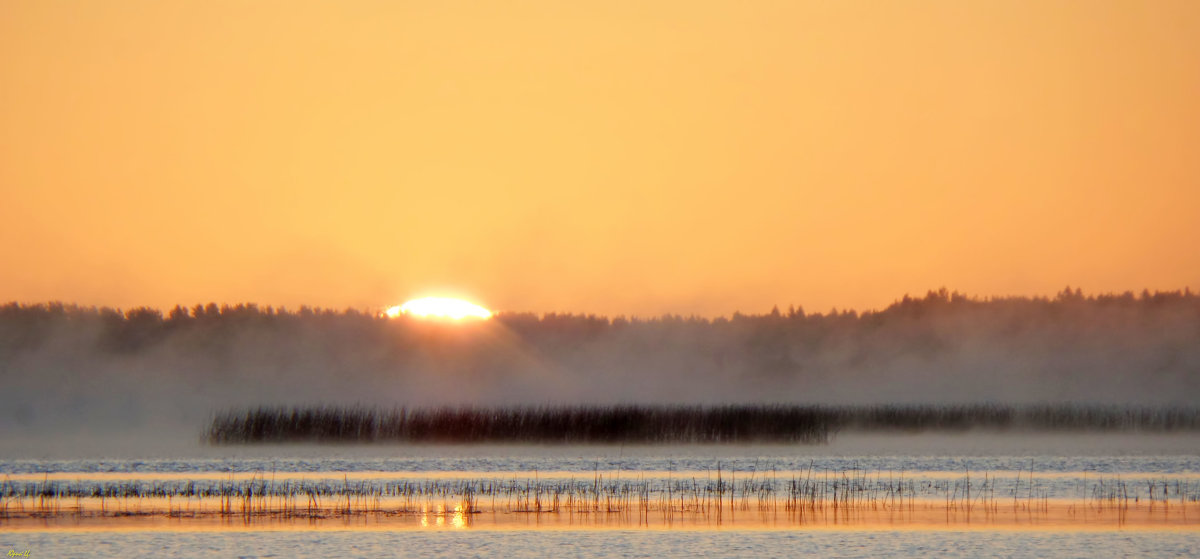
(70, 367)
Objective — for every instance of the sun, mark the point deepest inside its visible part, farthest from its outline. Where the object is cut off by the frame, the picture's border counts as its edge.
(440, 308)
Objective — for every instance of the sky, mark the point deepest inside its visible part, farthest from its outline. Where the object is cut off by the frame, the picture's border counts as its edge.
(619, 158)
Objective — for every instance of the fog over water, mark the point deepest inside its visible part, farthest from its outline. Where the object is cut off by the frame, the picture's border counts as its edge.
(77, 373)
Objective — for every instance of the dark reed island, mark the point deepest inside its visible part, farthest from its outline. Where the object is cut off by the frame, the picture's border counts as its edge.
(668, 424)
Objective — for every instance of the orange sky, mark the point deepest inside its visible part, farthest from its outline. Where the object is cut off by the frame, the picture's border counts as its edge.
(611, 157)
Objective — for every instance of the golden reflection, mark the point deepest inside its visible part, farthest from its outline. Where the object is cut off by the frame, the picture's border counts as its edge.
(862, 501)
(743, 513)
(458, 519)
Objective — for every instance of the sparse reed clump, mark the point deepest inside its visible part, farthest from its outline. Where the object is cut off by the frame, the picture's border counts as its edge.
(713, 497)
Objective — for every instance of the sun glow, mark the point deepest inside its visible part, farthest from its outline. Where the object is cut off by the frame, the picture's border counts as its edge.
(440, 308)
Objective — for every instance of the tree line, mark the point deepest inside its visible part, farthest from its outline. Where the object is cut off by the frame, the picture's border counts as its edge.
(113, 329)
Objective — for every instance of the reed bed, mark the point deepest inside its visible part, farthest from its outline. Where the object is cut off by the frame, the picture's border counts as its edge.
(716, 496)
(667, 424)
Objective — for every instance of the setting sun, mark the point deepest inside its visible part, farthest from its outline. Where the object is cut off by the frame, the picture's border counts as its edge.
(440, 308)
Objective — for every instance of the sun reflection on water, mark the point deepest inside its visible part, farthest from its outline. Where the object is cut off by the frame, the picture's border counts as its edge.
(457, 519)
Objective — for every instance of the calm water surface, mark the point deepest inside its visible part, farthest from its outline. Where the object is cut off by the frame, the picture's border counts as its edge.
(606, 544)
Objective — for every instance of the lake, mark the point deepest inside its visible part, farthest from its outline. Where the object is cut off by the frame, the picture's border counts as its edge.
(860, 495)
